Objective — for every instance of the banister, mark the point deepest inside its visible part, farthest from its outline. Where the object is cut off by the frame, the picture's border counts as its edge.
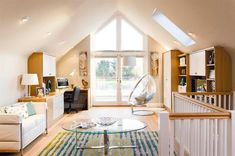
(207, 93)
(218, 115)
(203, 104)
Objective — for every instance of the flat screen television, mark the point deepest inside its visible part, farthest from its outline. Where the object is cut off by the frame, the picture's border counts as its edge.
(62, 83)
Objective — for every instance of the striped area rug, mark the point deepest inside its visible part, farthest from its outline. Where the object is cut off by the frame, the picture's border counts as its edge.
(64, 144)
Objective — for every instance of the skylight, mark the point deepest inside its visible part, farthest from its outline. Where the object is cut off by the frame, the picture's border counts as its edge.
(174, 30)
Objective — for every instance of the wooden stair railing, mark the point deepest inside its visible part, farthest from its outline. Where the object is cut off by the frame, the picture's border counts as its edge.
(220, 99)
(196, 128)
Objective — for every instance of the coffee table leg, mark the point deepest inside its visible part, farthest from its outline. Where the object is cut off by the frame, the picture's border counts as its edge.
(106, 145)
(106, 142)
(76, 137)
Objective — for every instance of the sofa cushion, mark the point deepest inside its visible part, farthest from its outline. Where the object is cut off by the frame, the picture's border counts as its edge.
(28, 124)
(17, 109)
(32, 121)
(30, 109)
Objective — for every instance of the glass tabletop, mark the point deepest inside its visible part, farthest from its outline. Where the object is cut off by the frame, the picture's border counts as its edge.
(94, 127)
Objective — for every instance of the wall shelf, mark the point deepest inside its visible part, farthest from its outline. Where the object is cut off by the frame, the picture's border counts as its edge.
(210, 79)
(182, 55)
(218, 70)
(215, 74)
(184, 82)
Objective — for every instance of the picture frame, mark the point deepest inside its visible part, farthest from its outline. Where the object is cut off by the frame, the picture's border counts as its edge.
(201, 85)
(154, 63)
(83, 67)
(40, 91)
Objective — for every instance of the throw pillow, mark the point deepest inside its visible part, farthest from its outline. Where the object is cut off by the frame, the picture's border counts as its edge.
(30, 108)
(20, 110)
(2, 110)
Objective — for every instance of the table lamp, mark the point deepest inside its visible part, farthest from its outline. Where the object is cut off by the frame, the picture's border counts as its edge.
(28, 80)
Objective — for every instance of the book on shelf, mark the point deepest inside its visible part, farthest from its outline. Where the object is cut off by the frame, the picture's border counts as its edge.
(212, 74)
(182, 61)
(183, 71)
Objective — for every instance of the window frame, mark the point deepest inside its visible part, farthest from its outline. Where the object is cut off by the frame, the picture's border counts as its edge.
(118, 18)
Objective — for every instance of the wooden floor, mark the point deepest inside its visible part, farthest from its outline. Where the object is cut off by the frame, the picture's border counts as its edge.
(121, 112)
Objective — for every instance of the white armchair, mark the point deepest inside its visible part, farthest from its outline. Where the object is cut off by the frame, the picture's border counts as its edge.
(16, 132)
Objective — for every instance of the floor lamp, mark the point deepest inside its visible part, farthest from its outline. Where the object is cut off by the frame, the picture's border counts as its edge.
(28, 80)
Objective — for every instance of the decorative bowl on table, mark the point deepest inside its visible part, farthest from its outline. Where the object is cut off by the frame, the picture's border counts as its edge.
(105, 121)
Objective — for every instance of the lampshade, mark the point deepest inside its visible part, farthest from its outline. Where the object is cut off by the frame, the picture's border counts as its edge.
(29, 79)
(129, 61)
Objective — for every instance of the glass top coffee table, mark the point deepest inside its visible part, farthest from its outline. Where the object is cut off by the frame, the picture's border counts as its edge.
(105, 126)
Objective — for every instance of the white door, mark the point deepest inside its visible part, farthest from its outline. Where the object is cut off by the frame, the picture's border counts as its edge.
(167, 78)
(129, 78)
(106, 80)
(113, 81)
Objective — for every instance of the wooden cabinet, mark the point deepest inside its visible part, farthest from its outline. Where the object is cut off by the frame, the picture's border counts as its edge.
(58, 106)
(49, 65)
(218, 70)
(170, 80)
(197, 63)
(55, 108)
(45, 67)
(210, 69)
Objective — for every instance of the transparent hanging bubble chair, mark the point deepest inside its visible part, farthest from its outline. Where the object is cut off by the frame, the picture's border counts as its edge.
(142, 93)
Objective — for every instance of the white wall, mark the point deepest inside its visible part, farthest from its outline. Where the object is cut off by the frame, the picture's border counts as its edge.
(12, 66)
(154, 46)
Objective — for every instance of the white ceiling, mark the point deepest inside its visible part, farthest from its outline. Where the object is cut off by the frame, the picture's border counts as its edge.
(69, 21)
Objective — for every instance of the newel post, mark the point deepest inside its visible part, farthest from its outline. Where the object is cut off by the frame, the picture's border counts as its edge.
(232, 133)
(164, 125)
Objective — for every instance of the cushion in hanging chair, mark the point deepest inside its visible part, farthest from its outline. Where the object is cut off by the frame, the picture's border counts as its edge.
(141, 98)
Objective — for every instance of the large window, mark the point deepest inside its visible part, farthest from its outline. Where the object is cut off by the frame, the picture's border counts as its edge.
(105, 39)
(119, 35)
(112, 81)
(131, 39)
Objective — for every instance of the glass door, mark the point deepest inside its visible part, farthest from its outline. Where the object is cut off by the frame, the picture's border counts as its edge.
(113, 81)
(106, 83)
(129, 78)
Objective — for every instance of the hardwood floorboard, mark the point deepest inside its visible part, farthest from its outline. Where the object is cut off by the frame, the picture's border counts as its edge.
(120, 112)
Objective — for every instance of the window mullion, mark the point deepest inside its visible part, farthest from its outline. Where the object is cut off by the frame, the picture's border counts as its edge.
(118, 33)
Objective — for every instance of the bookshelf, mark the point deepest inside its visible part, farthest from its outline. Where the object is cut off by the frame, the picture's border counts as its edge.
(216, 75)
(218, 70)
(183, 77)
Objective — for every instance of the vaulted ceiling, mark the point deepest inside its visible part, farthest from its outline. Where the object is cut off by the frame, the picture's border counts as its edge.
(55, 26)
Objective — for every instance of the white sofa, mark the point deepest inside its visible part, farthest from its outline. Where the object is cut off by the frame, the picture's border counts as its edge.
(17, 132)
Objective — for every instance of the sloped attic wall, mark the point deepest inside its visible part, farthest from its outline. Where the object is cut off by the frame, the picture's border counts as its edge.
(212, 21)
(154, 46)
(69, 63)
